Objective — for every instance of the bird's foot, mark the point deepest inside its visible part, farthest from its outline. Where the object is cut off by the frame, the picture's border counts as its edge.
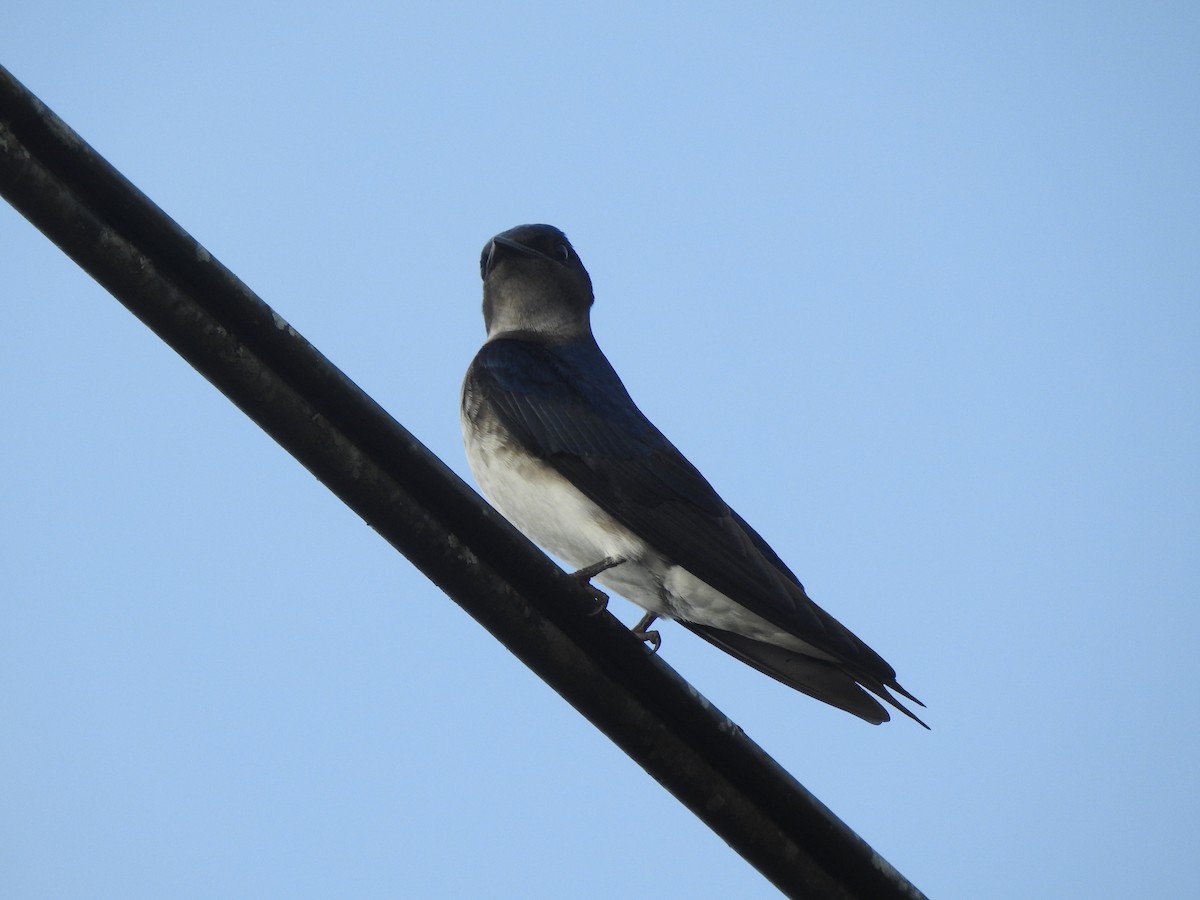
(587, 573)
(642, 633)
(599, 596)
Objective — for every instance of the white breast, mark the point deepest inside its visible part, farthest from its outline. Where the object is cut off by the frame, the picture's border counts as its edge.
(556, 516)
(546, 507)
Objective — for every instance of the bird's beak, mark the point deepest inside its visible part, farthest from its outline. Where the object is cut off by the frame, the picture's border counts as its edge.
(508, 244)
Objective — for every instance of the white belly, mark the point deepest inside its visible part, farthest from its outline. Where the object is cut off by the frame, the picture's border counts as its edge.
(546, 507)
(556, 516)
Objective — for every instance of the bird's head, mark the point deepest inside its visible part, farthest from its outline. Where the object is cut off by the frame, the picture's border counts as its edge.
(533, 282)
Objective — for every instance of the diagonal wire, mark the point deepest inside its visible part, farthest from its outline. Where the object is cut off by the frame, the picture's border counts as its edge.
(197, 306)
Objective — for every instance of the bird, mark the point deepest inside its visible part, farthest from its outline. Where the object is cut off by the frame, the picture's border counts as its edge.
(559, 447)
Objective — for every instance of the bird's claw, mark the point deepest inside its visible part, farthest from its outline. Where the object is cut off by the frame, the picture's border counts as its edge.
(653, 638)
(642, 632)
(599, 596)
(587, 573)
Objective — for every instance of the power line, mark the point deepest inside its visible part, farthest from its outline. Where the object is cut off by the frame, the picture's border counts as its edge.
(165, 278)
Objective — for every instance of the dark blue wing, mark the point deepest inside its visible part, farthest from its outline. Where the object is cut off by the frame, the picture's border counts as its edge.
(567, 405)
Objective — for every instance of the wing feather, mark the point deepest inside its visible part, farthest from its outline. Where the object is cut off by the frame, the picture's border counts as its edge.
(567, 405)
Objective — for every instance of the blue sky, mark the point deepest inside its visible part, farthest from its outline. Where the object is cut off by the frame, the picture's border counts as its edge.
(918, 289)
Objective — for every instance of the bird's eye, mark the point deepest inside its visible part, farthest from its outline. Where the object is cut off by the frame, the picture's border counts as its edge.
(564, 252)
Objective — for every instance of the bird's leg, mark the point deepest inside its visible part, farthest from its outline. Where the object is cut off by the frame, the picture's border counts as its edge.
(653, 638)
(587, 573)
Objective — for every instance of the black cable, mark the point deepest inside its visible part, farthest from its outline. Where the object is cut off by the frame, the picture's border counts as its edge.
(162, 275)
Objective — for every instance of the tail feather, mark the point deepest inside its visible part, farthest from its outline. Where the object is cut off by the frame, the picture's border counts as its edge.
(825, 681)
